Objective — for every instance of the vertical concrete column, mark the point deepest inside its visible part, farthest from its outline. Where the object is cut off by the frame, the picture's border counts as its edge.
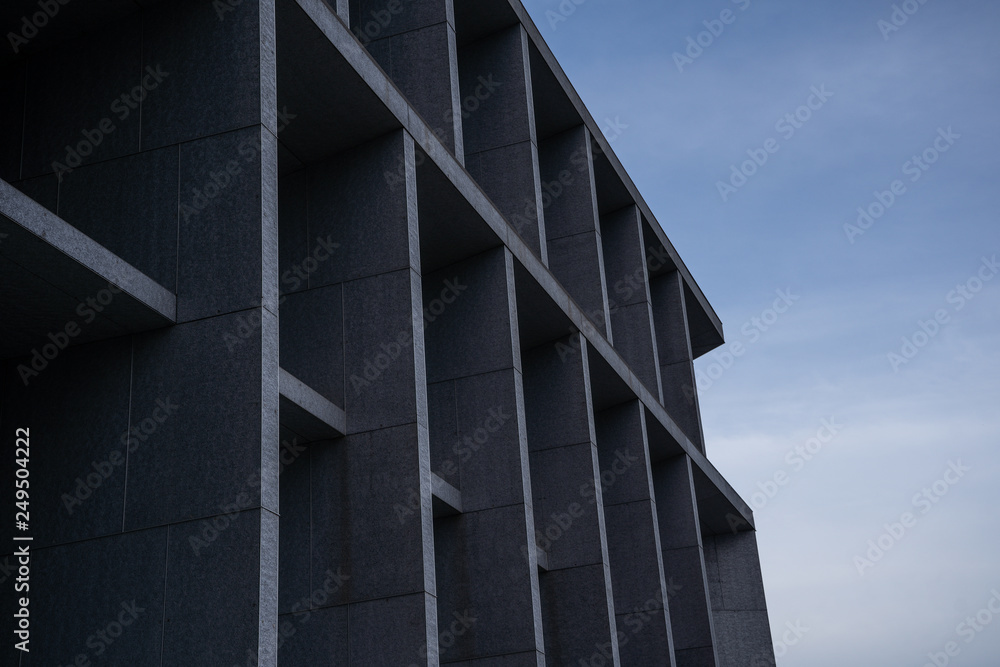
(577, 603)
(501, 148)
(572, 229)
(487, 576)
(684, 563)
(371, 541)
(414, 42)
(209, 472)
(629, 298)
(739, 610)
(673, 338)
(641, 591)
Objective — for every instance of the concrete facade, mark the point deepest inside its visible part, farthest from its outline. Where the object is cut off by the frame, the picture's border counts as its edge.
(343, 338)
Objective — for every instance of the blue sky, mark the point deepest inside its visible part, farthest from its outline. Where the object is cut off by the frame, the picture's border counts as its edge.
(901, 422)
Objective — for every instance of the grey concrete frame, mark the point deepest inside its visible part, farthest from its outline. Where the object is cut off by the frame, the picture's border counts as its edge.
(659, 566)
(423, 136)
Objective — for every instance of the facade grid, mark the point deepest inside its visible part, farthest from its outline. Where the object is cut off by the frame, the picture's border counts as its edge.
(343, 338)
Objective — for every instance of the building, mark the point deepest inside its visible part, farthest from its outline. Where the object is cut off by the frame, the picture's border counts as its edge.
(370, 267)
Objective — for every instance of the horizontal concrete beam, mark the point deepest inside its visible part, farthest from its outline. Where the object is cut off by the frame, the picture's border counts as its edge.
(307, 413)
(543, 559)
(720, 507)
(59, 281)
(447, 499)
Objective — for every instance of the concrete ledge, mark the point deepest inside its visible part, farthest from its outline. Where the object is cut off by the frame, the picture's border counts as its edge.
(306, 413)
(50, 270)
(447, 499)
(721, 509)
(543, 559)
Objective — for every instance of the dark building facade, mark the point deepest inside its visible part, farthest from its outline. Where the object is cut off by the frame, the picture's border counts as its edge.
(336, 334)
